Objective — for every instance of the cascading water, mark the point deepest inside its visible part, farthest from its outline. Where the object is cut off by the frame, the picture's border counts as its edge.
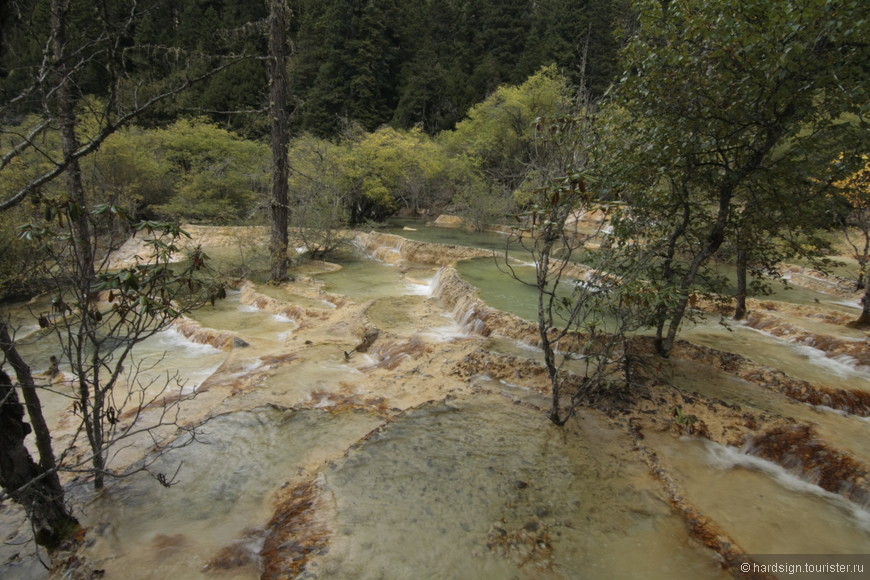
(465, 477)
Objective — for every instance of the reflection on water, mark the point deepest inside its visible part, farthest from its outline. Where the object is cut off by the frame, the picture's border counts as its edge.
(499, 290)
(449, 491)
(419, 231)
(255, 327)
(363, 279)
(801, 361)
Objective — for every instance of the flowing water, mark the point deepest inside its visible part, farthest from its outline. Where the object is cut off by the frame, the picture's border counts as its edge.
(223, 489)
(432, 497)
(765, 509)
(465, 486)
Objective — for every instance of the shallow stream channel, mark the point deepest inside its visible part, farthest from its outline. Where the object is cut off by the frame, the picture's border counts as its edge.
(384, 416)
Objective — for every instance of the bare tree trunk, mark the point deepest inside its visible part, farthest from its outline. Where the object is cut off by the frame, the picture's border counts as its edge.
(29, 484)
(545, 322)
(34, 407)
(742, 265)
(66, 104)
(84, 258)
(278, 52)
(864, 319)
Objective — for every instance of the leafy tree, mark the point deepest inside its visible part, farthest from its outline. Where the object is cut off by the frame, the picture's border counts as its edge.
(389, 169)
(424, 62)
(424, 94)
(788, 229)
(100, 314)
(212, 30)
(51, 84)
(716, 101)
(66, 50)
(129, 170)
(218, 176)
(501, 28)
(348, 63)
(498, 136)
(580, 38)
(584, 312)
(322, 209)
(435, 87)
(855, 189)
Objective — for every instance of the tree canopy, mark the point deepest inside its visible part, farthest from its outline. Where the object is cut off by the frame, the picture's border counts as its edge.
(724, 109)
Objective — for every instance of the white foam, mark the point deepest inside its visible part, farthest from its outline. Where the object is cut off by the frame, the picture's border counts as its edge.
(447, 333)
(415, 289)
(842, 365)
(724, 457)
(172, 340)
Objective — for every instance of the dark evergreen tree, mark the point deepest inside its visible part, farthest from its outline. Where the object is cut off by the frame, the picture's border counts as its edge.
(349, 63)
(501, 30)
(212, 29)
(579, 37)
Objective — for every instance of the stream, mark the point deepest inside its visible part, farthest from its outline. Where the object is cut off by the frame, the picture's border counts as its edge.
(424, 467)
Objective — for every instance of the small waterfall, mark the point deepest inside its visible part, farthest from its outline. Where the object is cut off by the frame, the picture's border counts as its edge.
(393, 249)
(851, 353)
(194, 331)
(852, 401)
(802, 455)
(462, 298)
(251, 297)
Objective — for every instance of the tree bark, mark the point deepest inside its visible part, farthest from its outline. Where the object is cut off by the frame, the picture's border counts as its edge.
(714, 240)
(66, 104)
(34, 406)
(864, 319)
(278, 53)
(742, 265)
(716, 236)
(82, 246)
(26, 482)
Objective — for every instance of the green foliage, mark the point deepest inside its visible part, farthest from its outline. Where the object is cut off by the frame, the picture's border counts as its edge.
(169, 35)
(217, 176)
(128, 171)
(498, 137)
(426, 63)
(16, 263)
(191, 170)
(390, 169)
(100, 313)
(375, 62)
(320, 195)
(721, 118)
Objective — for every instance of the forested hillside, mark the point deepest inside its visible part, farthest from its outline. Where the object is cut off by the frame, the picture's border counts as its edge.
(404, 63)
